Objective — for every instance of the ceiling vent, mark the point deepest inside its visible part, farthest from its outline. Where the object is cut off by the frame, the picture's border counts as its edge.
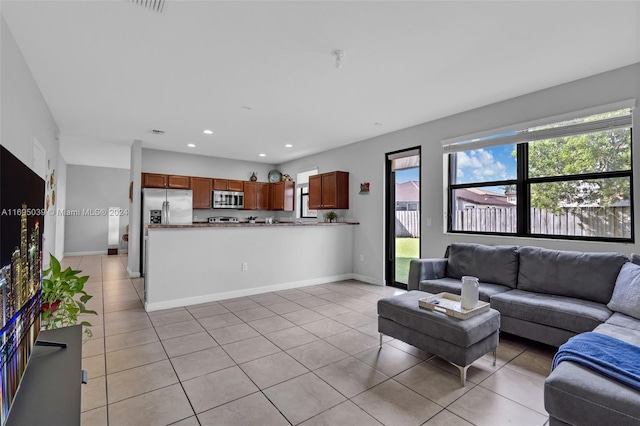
(157, 132)
(155, 5)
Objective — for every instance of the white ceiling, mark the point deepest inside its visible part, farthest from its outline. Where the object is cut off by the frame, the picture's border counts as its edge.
(111, 71)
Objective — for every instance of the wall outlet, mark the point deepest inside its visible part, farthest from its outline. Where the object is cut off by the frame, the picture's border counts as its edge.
(245, 266)
(427, 221)
(362, 258)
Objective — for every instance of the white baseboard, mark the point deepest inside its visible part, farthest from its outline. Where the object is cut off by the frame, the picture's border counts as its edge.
(133, 274)
(368, 280)
(85, 253)
(213, 297)
(91, 253)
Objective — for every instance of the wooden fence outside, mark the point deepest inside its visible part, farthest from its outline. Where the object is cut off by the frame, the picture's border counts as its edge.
(610, 222)
(408, 224)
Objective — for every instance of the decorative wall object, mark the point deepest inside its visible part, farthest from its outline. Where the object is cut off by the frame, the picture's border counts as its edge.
(364, 188)
(50, 190)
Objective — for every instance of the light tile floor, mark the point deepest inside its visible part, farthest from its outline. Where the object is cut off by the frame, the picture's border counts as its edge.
(306, 356)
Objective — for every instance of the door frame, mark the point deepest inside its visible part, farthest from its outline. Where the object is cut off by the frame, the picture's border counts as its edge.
(390, 216)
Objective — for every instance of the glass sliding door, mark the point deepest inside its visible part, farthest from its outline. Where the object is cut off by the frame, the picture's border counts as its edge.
(402, 224)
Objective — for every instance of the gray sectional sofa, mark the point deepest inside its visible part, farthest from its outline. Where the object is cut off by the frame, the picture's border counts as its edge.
(549, 296)
(543, 295)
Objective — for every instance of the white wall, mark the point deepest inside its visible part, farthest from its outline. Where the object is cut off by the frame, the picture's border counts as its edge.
(365, 161)
(135, 209)
(196, 265)
(25, 116)
(61, 206)
(156, 161)
(96, 189)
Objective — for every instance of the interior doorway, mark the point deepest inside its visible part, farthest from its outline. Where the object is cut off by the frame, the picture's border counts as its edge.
(402, 214)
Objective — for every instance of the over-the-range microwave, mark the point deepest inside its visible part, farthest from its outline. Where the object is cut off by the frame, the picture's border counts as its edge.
(228, 200)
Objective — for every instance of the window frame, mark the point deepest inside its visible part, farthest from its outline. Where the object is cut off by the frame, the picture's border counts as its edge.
(304, 194)
(523, 194)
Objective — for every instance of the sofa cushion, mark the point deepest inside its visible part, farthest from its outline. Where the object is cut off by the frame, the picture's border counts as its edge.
(625, 321)
(626, 293)
(579, 396)
(491, 264)
(451, 285)
(628, 335)
(588, 276)
(567, 313)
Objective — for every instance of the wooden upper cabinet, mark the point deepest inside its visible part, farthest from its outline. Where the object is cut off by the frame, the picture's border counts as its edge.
(220, 184)
(256, 196)
(201, 188)
(228, 185)
(283, 195)
(315, 192)
(263, 198)
(329, 191)
(235, 185)
(154, 180)
(157, 180)
(179, 182)
(250, 196)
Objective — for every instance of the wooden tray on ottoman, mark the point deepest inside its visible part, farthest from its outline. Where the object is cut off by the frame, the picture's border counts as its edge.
(449, 304)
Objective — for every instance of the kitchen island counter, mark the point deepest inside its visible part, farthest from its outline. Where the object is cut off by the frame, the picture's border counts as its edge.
(204, 262)
(246, 224)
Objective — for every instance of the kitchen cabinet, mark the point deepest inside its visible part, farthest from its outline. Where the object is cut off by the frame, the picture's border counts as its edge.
(256, 196)
(201, 188)
(329, 191)
(236, 185)
(228, 185)
(157, 180)
(220, 184)
(154, 180)
(283, 195)
(179, 182)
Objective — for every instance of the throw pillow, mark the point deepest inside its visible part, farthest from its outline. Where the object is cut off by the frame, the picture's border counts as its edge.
(626, 294)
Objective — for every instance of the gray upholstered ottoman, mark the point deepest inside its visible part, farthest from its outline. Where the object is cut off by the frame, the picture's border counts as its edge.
(460, 342)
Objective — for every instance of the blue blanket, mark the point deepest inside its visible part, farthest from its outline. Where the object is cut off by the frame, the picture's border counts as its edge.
(607, 355)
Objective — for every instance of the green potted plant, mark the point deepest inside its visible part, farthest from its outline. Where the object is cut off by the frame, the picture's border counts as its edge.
(330, 216)
(64, 297)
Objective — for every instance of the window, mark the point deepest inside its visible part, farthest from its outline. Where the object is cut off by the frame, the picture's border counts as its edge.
(305, 212)
(570, 179)
(302, 184)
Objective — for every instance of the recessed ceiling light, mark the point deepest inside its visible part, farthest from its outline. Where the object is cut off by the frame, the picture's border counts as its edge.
(208, 132)
(262, 155)
(191, 145)
(157, 132)
(377, 124)
(288, 145)
(246, 107)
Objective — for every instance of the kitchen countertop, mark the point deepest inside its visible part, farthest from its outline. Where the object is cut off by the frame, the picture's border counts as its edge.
(247, 224)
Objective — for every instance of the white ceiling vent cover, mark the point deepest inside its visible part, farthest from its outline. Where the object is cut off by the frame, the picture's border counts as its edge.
(155, 5)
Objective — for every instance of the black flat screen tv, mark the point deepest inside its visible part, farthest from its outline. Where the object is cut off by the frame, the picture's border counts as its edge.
(22, 194)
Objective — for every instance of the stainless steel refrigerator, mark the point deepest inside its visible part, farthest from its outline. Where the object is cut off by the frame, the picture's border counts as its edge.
(166, 207)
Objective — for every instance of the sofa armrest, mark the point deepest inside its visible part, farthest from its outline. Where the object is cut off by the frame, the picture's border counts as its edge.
(425, 269)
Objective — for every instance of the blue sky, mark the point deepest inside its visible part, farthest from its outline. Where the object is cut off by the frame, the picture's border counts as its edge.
(406, 175)
(486, 164)
(479, 165)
